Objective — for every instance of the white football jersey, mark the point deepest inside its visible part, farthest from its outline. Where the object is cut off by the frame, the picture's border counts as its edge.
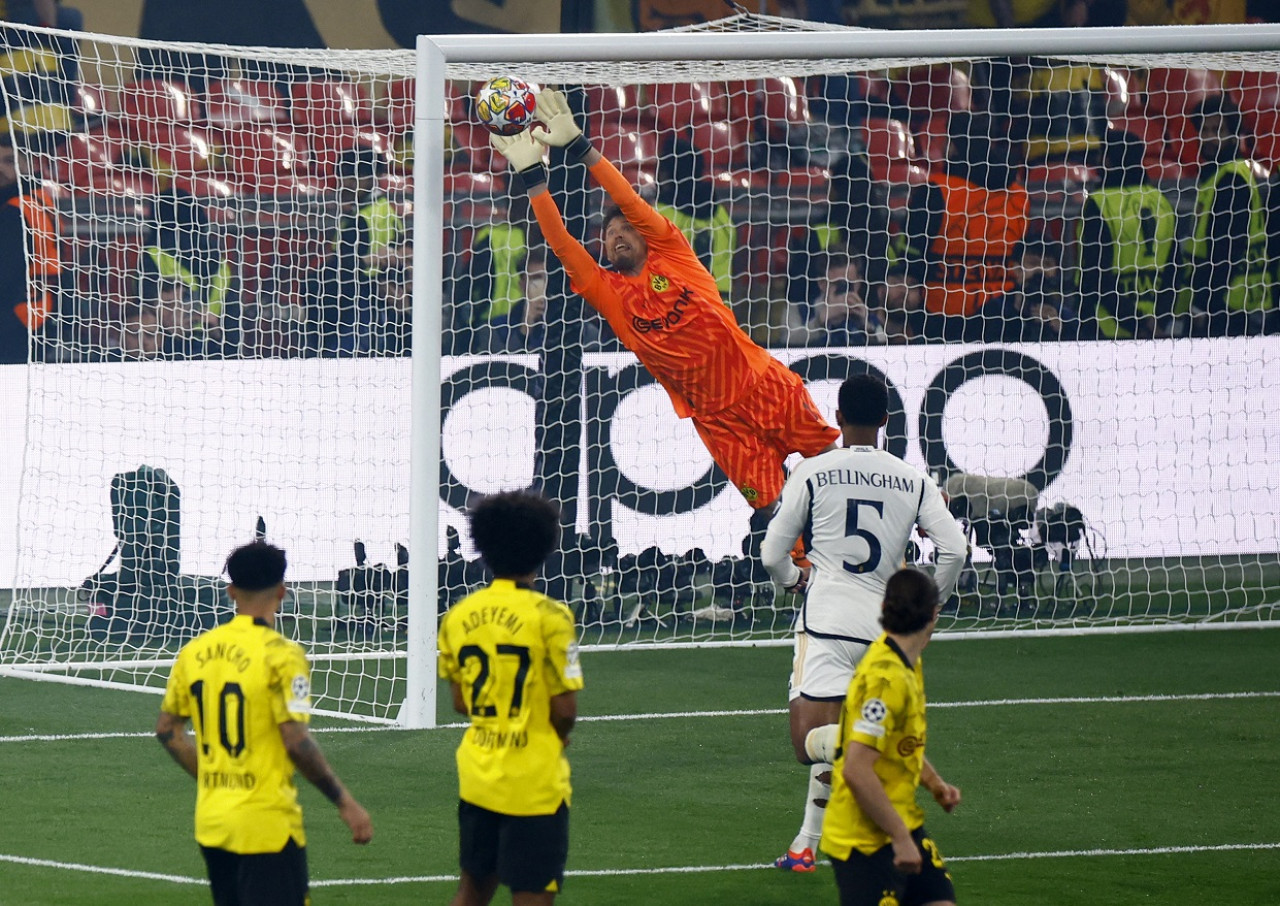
(855, 508)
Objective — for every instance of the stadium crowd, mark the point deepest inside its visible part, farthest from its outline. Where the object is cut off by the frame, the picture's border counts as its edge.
(269, 214)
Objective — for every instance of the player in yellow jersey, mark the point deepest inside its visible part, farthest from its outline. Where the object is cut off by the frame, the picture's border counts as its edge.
(874, 830)
(247, 690)
(510, 655)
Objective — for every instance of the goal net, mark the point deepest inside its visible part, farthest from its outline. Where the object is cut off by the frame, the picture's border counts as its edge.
(268, 316)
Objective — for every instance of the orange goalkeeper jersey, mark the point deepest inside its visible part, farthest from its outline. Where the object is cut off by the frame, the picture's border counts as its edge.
(671, 315)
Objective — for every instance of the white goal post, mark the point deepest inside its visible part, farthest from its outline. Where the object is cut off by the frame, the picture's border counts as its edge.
(1150, 466)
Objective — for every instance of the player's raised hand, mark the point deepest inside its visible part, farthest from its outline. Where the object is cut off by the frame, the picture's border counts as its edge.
(554, 113)
(519, 149)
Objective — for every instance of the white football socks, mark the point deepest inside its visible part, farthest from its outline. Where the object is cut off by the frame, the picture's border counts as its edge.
(815, 807)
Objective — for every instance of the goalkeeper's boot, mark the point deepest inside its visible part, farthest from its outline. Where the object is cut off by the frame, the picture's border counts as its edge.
(793, 861)
(799, 556)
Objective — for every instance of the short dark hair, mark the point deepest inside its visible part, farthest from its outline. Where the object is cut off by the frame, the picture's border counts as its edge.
(1219, 105)
(910, 599)
(256, 566)
(361, 162)
(864, 400)
(515, 531)
(611, 213)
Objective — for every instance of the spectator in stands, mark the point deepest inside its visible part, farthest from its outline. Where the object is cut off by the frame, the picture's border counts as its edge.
(523, 327)
(1227, 268)
(188, 330)
(490, 285)
(963, 229)
(30, 270)
(393, 335)
(837, 315)
(139, 337)
(1036, 309)
(856, 222)
(44, 89)
(370, 239)
(901, 308)
(1127, 249)
(181, 248)
(686, 197)
(1061, 111)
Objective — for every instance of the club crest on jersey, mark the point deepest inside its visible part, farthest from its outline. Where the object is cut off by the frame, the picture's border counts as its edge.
(750, 493)
(659, 283)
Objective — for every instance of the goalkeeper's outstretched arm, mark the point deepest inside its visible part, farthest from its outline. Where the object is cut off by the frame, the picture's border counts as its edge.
(525, 155)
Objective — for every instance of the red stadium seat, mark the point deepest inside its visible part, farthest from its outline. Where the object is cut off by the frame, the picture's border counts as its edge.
(633, 153)
(84, 153)
(933, 140)
(330, 104)
(89, 101)
(780, 106)
(152, 107)
(253, 153)
(891, 155)
(1266, 137)
(1122, 100)
(724, 147)
(235, 102)
(874, 86)
(323, 149)
(931, 90)
(183, 151)
(610, 108)
(1177, 92)
(397, 108)
(681, 104)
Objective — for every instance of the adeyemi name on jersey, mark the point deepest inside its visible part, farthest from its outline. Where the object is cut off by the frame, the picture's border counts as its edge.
(490, 615)
(670, 319)
(238, 657)
(866, 479)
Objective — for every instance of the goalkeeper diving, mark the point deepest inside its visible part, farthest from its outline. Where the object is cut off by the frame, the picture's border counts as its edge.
(748, 408)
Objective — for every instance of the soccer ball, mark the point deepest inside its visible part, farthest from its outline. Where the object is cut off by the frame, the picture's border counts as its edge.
(505, 105)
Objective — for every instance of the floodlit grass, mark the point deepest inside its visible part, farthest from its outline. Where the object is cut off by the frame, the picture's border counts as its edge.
(1065, 803)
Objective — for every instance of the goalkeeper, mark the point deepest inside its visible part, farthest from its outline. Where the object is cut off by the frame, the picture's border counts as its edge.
(749, 409)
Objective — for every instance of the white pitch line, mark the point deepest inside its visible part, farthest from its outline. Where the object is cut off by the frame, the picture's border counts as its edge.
(635, 872)
(101, 870)
(755, 712)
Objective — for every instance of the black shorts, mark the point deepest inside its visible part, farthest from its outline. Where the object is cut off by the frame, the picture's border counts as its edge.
(527, 853)
(258, 879)
(872, 880)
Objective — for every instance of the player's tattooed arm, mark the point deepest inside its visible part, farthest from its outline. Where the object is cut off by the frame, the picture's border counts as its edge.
(310, 761)
(171, 730)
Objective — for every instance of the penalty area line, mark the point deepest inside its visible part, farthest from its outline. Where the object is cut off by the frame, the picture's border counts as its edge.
(624, 872)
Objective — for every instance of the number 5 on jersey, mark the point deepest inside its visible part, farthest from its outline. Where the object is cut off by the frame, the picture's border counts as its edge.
(852, 530)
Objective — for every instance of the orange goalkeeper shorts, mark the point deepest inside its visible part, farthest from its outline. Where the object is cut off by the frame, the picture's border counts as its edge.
(751, 439)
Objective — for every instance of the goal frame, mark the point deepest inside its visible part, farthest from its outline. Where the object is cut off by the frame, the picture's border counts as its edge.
(436, 54)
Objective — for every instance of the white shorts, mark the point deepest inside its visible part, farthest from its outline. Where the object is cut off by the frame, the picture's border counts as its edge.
(822, 668)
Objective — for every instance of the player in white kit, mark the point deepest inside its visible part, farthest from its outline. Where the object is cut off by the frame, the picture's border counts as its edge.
(855, 508)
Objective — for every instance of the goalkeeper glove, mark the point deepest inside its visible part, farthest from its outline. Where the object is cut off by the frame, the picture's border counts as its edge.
(524, 154)
(560, 129)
